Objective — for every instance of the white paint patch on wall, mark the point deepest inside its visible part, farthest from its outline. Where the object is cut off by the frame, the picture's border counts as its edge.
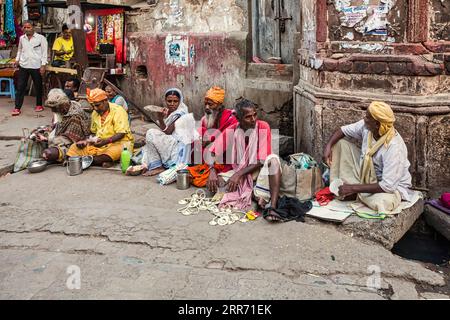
(364, 47)
(175, 16)
(309, 27)
(133, 51)
(349, 36)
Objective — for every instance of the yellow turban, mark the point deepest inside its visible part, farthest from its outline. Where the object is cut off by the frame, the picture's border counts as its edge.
(96, 95)
(383, 113)
(216, 94)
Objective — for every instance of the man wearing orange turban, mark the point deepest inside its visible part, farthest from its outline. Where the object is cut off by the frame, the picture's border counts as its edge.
(216, 95)
(111, 128)
(215, 122)
(378, 173)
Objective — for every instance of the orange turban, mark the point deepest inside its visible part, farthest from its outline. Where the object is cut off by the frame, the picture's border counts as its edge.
(216, 94)
(96, 95)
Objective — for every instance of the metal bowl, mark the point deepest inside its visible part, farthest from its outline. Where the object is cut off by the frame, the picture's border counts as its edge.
(86, 162)
(37, 166)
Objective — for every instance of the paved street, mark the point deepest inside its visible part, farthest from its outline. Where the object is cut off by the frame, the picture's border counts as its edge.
(128, 241)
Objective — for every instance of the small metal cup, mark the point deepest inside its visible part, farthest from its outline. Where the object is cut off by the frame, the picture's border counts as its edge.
(183, 179)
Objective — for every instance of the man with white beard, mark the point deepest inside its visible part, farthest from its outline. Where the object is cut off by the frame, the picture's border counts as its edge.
(215, 122)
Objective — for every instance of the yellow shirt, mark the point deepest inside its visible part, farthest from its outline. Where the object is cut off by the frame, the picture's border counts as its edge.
(116, 122)
(66, 45)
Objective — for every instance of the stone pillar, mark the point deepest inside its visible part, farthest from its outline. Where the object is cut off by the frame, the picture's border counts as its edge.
(358, 54)
(418, 21)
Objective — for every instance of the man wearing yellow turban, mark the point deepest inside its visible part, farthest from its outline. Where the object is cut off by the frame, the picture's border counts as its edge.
(111, 128)
(378, 173)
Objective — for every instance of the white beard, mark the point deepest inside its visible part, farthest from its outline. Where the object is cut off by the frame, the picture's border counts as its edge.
(211, 119)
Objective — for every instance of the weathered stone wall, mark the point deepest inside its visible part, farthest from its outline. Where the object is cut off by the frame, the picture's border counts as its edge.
(212, 37)
(212, 59)
(198, 16)
(218, 41)
(196, 44)
(378, 50)
(440, 20)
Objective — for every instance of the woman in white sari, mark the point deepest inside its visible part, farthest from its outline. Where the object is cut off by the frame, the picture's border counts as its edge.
(164, 147)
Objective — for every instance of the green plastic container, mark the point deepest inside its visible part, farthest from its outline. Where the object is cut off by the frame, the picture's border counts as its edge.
(125, 159)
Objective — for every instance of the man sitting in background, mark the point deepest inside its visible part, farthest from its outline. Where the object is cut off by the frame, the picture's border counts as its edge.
(116, 98)
(73, 84)
(63, 48)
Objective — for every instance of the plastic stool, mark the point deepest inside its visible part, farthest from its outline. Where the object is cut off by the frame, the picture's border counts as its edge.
(9, 90)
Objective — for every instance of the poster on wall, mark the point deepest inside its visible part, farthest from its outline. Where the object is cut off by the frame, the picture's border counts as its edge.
(368, 17)
(177, 50)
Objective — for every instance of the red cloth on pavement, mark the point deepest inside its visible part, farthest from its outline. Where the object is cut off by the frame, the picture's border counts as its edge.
(324, 196)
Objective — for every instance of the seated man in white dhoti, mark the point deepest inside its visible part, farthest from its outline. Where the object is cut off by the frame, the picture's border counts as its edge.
(377, 174)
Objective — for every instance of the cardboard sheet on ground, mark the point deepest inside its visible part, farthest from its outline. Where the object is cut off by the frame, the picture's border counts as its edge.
(339, 211)
(336, 211)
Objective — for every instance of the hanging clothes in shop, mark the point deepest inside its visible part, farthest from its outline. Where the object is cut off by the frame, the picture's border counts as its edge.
(2, 19)
(10, 29)
(109, 26)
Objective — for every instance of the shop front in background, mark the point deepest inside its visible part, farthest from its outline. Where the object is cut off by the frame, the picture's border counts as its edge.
(105, 33)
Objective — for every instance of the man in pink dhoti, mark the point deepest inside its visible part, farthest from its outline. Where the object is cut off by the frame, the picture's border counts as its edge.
(248, 146)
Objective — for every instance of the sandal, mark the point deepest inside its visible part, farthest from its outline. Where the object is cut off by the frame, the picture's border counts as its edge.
(269, 216)
(16, 112)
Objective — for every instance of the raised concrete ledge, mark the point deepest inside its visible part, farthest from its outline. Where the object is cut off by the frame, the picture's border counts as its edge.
(385, 232)
(415, 104)
(269, 85)
(439, 220)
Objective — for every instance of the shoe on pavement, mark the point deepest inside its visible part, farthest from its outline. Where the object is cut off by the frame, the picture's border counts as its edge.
(39, 109)
(16, 112)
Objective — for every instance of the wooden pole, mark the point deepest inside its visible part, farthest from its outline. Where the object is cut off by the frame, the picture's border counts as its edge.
(79, 37)
(146, 114)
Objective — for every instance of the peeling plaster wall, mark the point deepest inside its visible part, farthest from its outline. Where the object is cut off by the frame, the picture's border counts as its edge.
(211, 59)
(191, 44)
(191, 15)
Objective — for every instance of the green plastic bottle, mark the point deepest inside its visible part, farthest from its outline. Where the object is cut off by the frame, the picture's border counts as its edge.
(125, 159)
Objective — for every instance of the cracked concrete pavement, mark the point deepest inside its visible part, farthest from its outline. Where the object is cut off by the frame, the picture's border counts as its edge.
(129, 242)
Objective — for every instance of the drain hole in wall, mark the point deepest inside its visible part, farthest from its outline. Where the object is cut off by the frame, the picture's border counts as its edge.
(141, 72)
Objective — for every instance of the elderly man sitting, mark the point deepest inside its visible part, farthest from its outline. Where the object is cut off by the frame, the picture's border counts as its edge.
(216, 120)
(70, 125)
(111, 128)
(248, 145)
(378, 172)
